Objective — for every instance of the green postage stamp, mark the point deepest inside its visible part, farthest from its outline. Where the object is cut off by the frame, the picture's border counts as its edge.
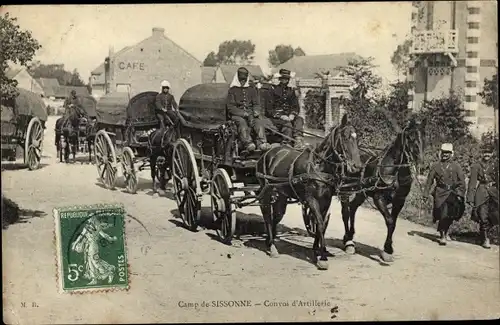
(90, 248)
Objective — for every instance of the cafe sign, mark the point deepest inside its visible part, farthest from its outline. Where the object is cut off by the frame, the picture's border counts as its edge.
(131, 65)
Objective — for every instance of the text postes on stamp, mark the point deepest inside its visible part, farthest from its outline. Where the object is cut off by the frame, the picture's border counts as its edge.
(90, 246)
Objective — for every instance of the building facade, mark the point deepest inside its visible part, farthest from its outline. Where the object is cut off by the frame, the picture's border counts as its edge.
(454, 47)
(142, 67)
(25, 80)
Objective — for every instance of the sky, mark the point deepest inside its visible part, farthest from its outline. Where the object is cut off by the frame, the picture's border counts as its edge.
(79, 36)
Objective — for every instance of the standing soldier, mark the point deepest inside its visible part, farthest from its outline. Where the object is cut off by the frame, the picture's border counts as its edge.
(482, 194)
(449, 192)
(285, 109)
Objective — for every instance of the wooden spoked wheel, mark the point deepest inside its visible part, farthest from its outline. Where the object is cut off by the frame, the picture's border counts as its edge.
(128, 168)
(33, 144)
(186, 181)
(105, 159)
(310, 221)
(223, 210)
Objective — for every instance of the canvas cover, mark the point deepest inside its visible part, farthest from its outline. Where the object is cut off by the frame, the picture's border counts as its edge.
(141, 107)
(204, 103)
(112, 108)
(26, 103)
(89, 105)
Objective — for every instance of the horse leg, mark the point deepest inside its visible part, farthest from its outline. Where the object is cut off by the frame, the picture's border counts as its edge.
(267, 213)
(349, 209)
(319, 247)
(163, 169)
(381, 204)
(279, 210)
(152, 164)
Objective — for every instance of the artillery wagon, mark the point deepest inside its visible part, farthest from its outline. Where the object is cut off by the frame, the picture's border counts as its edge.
(23, 124)
(123, 126)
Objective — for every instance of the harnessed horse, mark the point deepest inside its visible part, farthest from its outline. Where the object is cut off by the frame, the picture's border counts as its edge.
(309, 176)
(387, 178)
(67, 131)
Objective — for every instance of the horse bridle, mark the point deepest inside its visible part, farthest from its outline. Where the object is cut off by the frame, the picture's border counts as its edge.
(333, 143)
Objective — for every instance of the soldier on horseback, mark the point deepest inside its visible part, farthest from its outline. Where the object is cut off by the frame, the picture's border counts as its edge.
(482, 194)
(243, 108)
(284, 111)
(166, 106)
(449, 192)
(73, 102)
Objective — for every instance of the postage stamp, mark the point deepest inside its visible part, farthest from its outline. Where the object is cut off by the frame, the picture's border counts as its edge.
(91, 248)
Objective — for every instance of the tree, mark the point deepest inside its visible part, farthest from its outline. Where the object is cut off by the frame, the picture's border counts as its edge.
(400, 59)
(365, 81)
(231, 52)
(57, 71)
(490, 91)
(283, 53)
(76, 80)
(18, 47)
(210, 60)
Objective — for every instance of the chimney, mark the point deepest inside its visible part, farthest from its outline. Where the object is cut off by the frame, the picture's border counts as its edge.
(158, 31)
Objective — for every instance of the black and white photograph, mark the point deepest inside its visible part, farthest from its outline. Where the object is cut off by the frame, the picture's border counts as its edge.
(249, 162)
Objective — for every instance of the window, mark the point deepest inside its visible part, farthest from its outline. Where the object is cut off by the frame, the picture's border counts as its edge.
(474, 25)
(472, 40)
(470, 99)
(471, 84)
(472, 69)
(470, 113)
(474, 11)
(472, 55)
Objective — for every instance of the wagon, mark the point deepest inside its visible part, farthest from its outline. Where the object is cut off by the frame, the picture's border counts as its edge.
(23, 123)
(207, 160)
(123, 126)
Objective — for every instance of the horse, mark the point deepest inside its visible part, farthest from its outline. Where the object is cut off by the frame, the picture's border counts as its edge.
(386, 178)
(308, 176)
(67, 133)
(160, 154)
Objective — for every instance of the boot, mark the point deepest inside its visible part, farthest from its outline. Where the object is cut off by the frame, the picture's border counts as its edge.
(250, 147)
(442, 239)
(299, 143)
(264, 146)
(485, 240)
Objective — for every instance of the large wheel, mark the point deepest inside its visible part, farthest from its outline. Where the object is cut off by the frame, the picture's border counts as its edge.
(223, 210)
(186, 181)
(129, 172)
(33, 144)
(105, 159)
(310, 222)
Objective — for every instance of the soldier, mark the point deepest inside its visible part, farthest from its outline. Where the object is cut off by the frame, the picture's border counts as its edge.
(482, 194)
(285, 110)
(449, 192)
(72, 99)
(166, 106)
(244, 109)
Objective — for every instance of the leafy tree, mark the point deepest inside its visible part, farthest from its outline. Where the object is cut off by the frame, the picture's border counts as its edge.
(57, 71)
(232, 52)
(400, 59)
(17, 46)
(282, 53)
(490, 91)
(365, 81)
(76, 80)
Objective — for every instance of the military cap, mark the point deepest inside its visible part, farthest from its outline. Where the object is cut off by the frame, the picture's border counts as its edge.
(487, 148)
(284, 73)
(447, 147)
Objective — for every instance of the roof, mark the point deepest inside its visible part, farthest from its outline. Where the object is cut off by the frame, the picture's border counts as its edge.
(64, 91)
(11, 73)
(49, 86)
(100, 68)
(228, 71)
(307, 66)
(208, 74)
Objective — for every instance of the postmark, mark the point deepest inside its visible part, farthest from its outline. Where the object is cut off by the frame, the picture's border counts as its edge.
(91, 248)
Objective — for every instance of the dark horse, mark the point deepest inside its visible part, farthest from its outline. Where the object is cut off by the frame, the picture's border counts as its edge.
(160, 154)
(67, 133)
(387, 178)
(309, 176)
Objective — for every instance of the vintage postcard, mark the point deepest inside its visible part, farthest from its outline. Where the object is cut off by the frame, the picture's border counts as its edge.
(249, 162)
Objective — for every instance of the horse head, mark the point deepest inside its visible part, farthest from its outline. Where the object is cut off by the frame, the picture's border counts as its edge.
(341, 146)
(413, 139)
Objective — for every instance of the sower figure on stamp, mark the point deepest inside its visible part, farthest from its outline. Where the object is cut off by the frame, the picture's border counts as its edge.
(166, 107)
(243, 108)
(285, 110)
(449, 192)
(482, 194)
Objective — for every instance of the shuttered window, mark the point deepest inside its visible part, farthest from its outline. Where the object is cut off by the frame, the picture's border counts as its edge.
(472, 69)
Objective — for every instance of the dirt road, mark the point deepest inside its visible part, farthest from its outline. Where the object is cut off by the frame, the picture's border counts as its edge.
(172, 267)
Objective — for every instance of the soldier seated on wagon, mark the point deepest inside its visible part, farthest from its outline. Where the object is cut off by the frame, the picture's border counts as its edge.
(244, 109)
(284, 110)
(166, 106)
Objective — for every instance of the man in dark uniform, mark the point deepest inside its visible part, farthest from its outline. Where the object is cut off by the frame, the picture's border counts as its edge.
(482, 194)
(166, 106)
(449, 204)
(74, 109)
(244, 109)
(284, 111)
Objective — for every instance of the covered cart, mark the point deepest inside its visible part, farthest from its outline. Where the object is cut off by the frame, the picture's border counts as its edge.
(23, 123)
(124, 124)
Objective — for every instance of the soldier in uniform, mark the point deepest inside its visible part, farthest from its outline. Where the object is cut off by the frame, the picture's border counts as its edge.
(284, 111)
(243, 108)
(482, 194)
(72, 99)
(166, 106)
(449, 204)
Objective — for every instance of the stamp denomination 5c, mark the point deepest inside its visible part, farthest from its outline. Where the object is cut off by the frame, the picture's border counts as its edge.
(90, 248)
